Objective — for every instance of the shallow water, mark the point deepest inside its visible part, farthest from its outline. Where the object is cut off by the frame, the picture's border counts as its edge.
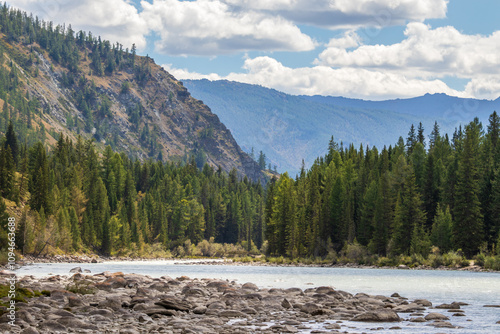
(475, 288)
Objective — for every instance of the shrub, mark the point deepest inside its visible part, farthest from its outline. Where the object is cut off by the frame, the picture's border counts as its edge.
(355, 253)
(435, 260)
(455, 259)
(385, 262)
(492, 262)
(479, 259)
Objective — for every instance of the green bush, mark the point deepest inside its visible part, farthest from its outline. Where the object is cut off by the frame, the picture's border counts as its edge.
(479, 259)
(386, 262)
(435, 260)
(455, 259)
(492, 262)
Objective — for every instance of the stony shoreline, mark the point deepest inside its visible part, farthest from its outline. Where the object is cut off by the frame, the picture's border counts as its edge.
(133, 303)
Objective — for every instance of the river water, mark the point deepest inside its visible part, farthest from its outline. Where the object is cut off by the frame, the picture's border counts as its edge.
(475, 288)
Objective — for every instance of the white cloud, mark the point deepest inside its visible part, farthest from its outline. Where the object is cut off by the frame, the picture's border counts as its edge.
(487, 87)
(348, 13)
(206, 27)
(324, 80)
(114, 20)
(425, 52)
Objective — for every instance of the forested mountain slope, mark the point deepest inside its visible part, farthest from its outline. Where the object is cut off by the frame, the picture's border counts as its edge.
(58, 80)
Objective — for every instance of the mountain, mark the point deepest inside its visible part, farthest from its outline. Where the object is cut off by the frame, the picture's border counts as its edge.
(61, 81)
(290, 128)
(439, 106)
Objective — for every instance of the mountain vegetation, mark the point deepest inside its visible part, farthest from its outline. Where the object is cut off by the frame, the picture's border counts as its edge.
(58, 80)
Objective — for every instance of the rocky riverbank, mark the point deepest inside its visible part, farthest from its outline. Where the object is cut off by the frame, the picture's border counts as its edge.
(130, 303)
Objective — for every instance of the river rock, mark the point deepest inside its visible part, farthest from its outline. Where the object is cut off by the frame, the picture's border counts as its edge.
(73, 322)
(286, 304)
(29, 330)
(442, 324)
(436, 316)
(160, 310)
(250, 286)
(76, 270)
(102, 312)
(174, 304)
(54, 326)
(423, 302)
(200, 310)
(449, 306)
(378, 316)
(232, 314)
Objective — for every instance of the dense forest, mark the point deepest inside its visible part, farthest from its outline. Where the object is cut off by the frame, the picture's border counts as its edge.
(427, 194)
(401, 200)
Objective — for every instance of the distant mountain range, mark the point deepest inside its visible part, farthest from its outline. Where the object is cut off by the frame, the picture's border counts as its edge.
(290, 128)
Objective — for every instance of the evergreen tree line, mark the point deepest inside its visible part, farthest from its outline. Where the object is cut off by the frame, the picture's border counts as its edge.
(79, 201)
(399, 201)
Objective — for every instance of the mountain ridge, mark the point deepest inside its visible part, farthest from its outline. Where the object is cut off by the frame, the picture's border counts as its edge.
(289, 128)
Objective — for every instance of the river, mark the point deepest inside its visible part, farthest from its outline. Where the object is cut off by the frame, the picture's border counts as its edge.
(439, 286)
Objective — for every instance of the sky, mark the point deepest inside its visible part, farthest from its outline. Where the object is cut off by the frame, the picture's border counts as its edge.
(368, 49)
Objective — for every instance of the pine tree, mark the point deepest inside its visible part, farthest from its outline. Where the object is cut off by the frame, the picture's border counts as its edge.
(11, 141)
(411, 140)
(495, 207)
(420, 135)
(468, 219)
(262, 160)
(441, 235)
(76, 240)
(409, 217)
(434, 137)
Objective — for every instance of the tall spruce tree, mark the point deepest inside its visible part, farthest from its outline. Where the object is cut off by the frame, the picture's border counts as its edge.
(468, 219)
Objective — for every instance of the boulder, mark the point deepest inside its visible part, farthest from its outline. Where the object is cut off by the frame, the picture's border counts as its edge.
(378, 316)
(174, 304)
(53, 326)
(29, 330)
(76, 270)
(436, 316)
(449, 306)
(232, 314)
(73, 322)
(102, 312)
(442, 324)
(286, 304)
(250, 286)
(160, 311)
(423, 302)
(200, 310)
(324, 289)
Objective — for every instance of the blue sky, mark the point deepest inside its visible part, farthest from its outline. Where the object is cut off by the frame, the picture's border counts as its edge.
(370, 49)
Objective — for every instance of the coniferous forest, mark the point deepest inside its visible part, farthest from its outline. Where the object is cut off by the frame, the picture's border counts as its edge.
(428, 194)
